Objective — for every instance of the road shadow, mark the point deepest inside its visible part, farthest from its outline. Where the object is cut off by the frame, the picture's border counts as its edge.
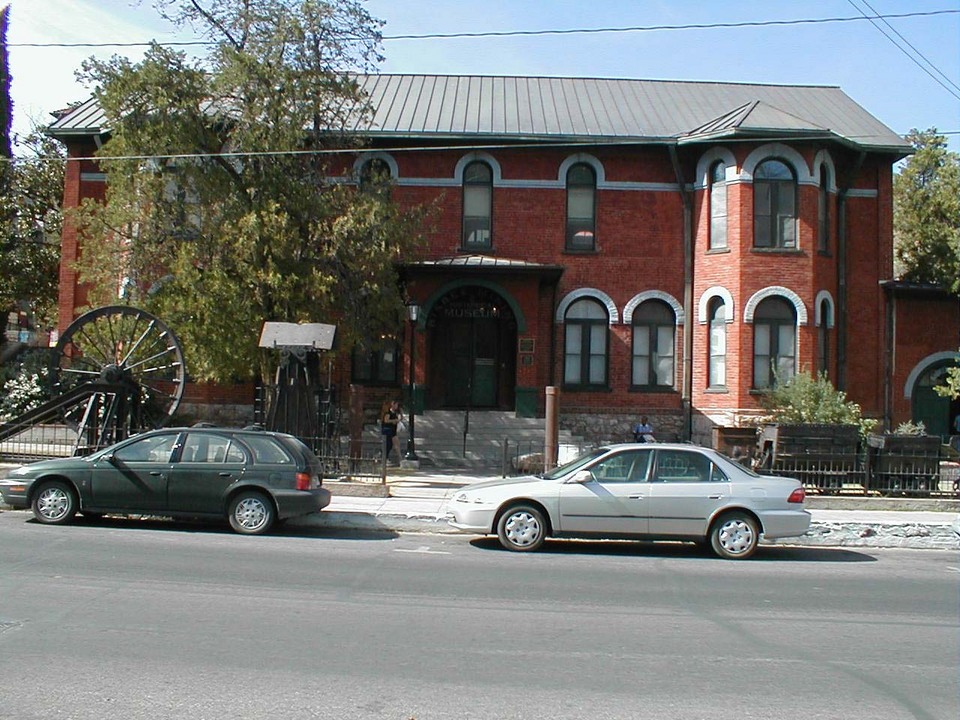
(199, 526)
(643, 548)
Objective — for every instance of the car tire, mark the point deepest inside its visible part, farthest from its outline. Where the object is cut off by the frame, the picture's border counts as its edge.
(251, 513)
(54, 503)
(734, 536)
(522, 528)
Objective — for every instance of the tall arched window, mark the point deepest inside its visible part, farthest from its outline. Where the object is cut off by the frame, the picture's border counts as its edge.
(581, 207)
(654, 355)
(774, 205)
(586, 326)
(375, 177)
(717, 375)
(823, 338)
(477, 206)
(823, 211)
(718, 205)
(774, 342)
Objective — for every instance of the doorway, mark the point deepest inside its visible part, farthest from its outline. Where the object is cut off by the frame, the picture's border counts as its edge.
(472, 336)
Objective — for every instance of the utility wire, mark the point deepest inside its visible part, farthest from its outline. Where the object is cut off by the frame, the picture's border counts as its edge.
(955, 91)
(530, 33)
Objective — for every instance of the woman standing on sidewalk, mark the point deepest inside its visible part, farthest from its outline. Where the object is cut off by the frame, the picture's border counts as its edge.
(389, 420)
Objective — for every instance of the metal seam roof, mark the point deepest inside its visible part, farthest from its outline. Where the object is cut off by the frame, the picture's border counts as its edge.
(554, 108)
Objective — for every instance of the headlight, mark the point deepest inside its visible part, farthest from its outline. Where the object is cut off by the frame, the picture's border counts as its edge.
(460, 497)
(465, 498)
(22, 470)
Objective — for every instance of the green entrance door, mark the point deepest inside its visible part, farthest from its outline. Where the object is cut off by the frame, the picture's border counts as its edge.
(472, 377)
(928, 407)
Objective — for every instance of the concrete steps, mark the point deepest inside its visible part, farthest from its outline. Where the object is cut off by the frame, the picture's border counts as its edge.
(480, 439)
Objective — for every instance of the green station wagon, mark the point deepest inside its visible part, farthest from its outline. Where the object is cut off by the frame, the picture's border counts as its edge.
(250, 477)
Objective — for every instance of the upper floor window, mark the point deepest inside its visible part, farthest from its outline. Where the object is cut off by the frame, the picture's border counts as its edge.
(375, 177)
(774, 206)
(718, 206)
(823, 211)
(586, 325)
(477, 206)
(581, 207)
(654, 325)
(717, 375)
(774, 342)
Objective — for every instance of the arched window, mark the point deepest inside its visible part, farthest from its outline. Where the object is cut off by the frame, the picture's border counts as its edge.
(581, 207)
(774, 205)
(717, 375)
(477, 206)
(654, 355)
(823, 338)
(774, 342)
(375, 177)
(586, 326)
(823, 211)
(718, 205)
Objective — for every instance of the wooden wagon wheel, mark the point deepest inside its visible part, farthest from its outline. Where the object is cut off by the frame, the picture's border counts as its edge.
(132, 359)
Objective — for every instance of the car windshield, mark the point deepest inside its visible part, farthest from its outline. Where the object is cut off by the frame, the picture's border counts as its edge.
(574, 464)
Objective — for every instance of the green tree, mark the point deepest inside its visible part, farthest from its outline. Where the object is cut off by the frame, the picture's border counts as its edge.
(926, 213)
(31, 219)
(221, 210)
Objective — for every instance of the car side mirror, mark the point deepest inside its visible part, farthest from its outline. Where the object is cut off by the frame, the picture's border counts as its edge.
(582, 476)
(110, 458)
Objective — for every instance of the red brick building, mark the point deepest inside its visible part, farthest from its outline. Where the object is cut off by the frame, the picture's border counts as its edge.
(649, 247)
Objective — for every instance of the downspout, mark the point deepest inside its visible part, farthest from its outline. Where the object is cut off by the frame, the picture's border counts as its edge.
(686, 391)
(888, 359)
(842, 271)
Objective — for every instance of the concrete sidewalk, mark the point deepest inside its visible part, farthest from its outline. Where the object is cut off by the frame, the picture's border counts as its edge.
(417, 500)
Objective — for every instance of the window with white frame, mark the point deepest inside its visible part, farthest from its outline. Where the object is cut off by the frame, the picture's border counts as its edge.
(654, 354)
(586, 327)
(477, 206)
(823, 211)
(718, 206)
(717, 314)
(581, 207)
(774, 342)
(774, 206)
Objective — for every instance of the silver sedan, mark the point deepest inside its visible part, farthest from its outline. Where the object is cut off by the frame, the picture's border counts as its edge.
(637, 491)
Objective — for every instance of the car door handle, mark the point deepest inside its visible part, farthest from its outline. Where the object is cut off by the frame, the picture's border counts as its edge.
(635, 497)
(718, 496)
(156, 473)
(225, 474)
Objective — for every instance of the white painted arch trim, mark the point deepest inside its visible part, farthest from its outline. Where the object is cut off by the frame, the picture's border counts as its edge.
(481, 157)
(823, 158)
(709, 294)
(924, 365)
(639, 298)
(778, 151)
(387, 158)
(586, 159)
(706, 162)
(817, 315)
(599, 295)
(775, 291)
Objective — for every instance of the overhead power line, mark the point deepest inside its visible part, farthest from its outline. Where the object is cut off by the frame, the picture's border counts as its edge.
(531, 33)
(955, 90)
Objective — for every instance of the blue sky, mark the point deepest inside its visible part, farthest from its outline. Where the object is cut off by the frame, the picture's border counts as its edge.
(853, 55)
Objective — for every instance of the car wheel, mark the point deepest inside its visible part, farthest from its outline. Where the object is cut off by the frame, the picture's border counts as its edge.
(251, 513)
(522, 528)
(734, 536)
(54, 503)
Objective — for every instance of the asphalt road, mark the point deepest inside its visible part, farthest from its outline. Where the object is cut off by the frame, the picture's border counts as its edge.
(127, 619)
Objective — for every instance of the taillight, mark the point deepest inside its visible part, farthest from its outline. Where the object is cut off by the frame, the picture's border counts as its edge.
(797, 496)
(304, 481)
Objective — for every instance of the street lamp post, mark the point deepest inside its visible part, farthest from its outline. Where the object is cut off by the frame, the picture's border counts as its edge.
(413, 312)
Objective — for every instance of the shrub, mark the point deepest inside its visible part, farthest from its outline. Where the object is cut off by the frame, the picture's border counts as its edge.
(808, 399)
